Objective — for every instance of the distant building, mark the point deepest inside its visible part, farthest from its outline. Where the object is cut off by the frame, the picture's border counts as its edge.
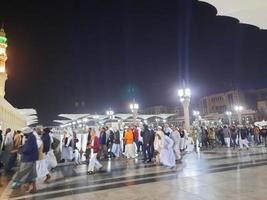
(220, 102)
(262, 109)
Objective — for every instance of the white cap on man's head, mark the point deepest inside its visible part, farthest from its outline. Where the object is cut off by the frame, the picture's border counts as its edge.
(27, 130)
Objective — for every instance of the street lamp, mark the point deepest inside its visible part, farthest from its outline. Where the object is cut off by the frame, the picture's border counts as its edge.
(196, 113)
(239, 110)
(229, 115)
(134, 108)
(110, 113)
(157, 121)
(96, 117)
(185, 95)
(85, 119)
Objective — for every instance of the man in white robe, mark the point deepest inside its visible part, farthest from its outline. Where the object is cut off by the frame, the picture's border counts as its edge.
(158, 143)
(67, 151)
(41, 167)
(175, 136)
(167, 157)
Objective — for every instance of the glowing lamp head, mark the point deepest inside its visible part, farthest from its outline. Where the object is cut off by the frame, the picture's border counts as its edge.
(238, 108)
(85, 119)
(96, 116)
(134, 106)
(229, 113)
(196, 113)
(187, 92)
(180, 92)
(110, 112)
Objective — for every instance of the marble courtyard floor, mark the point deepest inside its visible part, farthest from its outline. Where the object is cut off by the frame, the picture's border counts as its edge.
(209, 175)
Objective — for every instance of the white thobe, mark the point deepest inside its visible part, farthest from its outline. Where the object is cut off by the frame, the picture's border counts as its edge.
(167, 156)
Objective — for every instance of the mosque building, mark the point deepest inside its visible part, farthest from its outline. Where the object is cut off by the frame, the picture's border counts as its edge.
(11, 117)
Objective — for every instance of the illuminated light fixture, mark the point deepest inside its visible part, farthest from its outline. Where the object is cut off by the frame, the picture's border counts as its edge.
(110, 112)
(79, 121)
(180, 92)
(3, 39)
(187, 92)
(85, 119)
(134, 106)
(238, 108)
(228, 113)
(196, 113)
(145, 121)
(73, 123)
(96, 116)
(2, 51)
(164, 121)
(2, 69)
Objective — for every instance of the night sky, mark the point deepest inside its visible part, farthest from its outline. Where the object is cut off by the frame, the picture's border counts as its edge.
(86, 56)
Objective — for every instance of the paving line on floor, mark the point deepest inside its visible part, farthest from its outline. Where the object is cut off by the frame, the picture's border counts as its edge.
(113, 179)
(236, 156)
(136, 180)
(142, 166)
(110, 176)
(120, 184)
(104, 181)
(72, 190)
(230, 166)
(196, 170)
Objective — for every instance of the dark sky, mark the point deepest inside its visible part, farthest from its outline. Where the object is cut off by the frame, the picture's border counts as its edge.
(85, 56)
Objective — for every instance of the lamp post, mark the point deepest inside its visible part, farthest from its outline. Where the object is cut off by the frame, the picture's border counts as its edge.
(229, 115)
(110, 113)
(134, 108)
(239, 110)
(157, 121)
(185, 95)
(197, 116)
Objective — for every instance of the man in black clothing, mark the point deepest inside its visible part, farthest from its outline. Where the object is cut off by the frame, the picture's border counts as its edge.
(263, 133)
(147, 142)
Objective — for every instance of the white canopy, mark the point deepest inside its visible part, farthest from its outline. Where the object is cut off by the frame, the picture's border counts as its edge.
(261, 123)
(252, 12)
(30, 114)
(62, 121)
(73, 116)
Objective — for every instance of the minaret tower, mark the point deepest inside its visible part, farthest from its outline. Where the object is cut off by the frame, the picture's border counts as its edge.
(3, 58)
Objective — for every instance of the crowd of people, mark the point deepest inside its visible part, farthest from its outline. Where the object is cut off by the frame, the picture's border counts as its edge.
(162, 146)
(29, 153)
(36, 152)
(230, 136)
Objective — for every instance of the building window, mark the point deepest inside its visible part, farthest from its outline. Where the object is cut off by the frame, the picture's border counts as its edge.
(231, 99)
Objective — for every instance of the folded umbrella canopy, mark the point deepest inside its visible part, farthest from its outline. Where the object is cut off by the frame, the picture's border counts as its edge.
(261, 123)
(252, 12)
